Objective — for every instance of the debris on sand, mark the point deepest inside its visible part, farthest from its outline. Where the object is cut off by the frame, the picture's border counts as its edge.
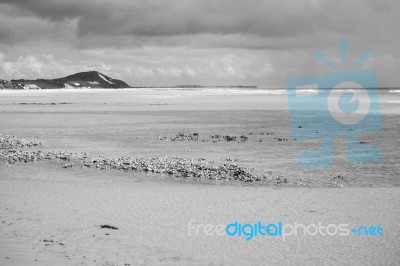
(280, 180)
(228, 138)
(12, 156)
(228, 159)
(196, 168)
(281, 139)
(186, 137)
(68, 165)
(339, 177)
(106, 226)
(181, 136)
(171, 165)
(10, 141)
(43, 103)
(261, 133)
(243, 138)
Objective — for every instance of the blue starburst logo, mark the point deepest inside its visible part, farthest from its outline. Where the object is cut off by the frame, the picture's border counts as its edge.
(346, 105)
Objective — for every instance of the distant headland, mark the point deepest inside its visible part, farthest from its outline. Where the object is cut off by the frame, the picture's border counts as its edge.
(86, 80)
(89, 79)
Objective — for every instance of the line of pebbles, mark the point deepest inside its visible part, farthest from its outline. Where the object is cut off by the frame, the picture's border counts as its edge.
(181, 167)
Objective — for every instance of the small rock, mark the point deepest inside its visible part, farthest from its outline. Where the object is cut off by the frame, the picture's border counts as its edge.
(68, 165)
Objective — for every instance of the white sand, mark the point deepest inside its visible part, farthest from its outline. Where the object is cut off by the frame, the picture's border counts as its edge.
(43, 203)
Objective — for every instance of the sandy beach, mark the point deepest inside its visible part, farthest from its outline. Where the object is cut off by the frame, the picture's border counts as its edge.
(52, 215)
(54, 218)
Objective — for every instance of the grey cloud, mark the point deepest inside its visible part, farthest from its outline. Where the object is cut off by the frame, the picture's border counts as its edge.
(199, 17)
(18, 26)
(144, 39)
(51, 9)
(164, 18)
(160, 22)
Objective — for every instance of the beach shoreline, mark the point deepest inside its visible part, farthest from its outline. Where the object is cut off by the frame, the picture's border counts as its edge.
(57, 210)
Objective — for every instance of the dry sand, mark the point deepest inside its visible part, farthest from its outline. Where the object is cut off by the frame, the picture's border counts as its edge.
(54, 219)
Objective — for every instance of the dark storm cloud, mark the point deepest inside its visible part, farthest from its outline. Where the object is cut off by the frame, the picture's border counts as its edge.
(165, 18)
(51, 9)
(259, 18)
(160, 18)
(19, 25)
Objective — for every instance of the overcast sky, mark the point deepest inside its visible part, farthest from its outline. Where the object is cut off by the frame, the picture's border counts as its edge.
(210, 42)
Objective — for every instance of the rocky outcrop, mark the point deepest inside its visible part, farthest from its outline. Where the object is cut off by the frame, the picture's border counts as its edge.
(8, 85)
